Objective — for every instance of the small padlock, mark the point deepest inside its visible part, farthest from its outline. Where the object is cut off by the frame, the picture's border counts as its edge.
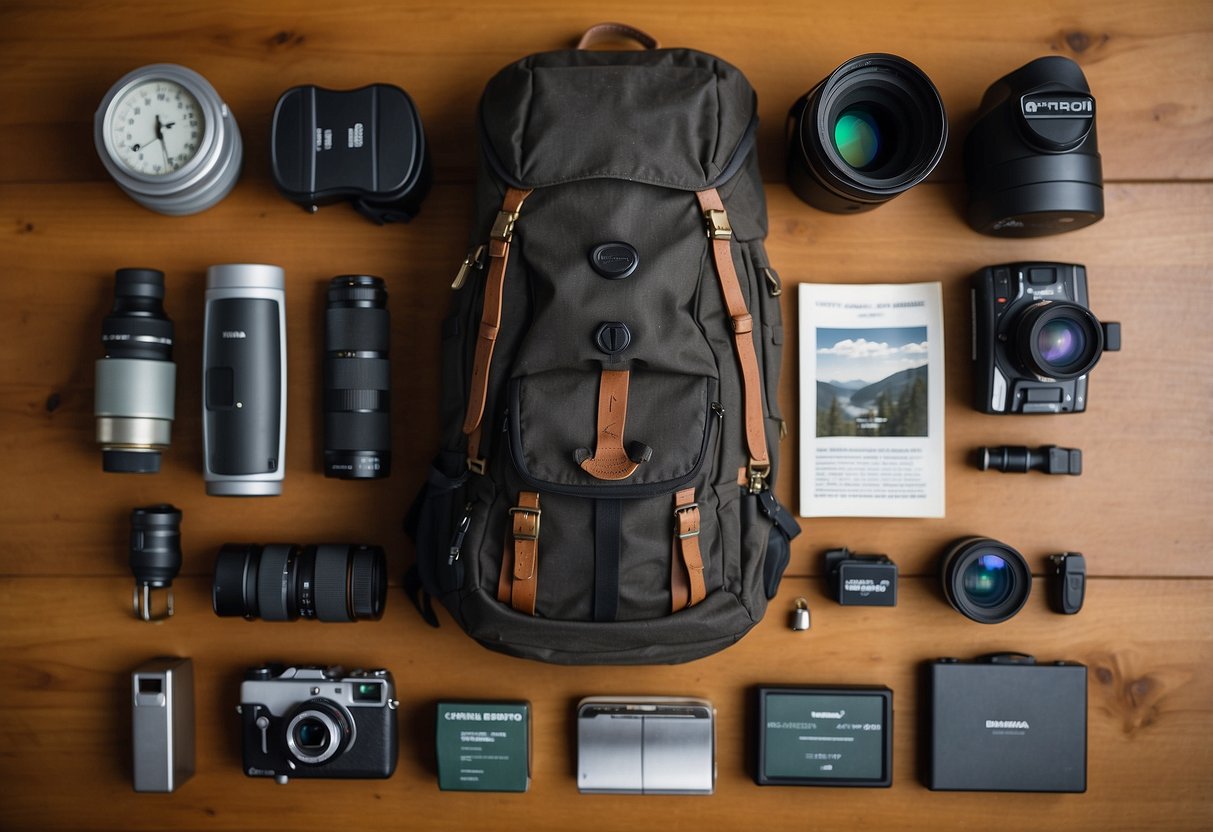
(800, 615)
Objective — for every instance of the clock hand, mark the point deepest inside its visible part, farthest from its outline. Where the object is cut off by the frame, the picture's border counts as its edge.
(159, 133)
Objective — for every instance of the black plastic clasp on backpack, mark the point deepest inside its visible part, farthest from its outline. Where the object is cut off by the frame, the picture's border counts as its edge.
(779, 548)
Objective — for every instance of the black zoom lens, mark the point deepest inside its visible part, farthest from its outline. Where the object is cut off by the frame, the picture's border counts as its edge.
(357, 432)
(871, 130)
(283, 582)
(985, 580)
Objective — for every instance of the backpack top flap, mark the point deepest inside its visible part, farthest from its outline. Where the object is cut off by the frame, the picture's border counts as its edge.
(672, 117)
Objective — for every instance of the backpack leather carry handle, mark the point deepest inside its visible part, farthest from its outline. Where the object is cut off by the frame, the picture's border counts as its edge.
(613, 31)
(610, 460)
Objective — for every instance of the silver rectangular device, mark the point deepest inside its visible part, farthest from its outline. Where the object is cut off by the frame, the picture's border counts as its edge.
(162, 724)
(646, 745)
(244, 380)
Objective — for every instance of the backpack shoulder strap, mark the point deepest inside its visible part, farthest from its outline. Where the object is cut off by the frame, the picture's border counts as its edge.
(490, 321)
(721, 235)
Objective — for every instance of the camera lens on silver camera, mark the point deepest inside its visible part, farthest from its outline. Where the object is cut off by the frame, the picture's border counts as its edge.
(357, 388)
(985, 580)
(318, 732)
(284, 582)
(136, 380)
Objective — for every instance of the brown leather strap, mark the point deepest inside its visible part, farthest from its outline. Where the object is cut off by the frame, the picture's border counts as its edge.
(524, 533)
(505, 581)
(490, 320)
(610, 461)
(721, 235)
(612, 31)
(686, 543)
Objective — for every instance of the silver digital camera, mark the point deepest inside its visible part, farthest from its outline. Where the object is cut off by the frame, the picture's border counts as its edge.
(318, 722)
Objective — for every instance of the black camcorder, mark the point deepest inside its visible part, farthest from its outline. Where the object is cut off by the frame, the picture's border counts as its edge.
(1035, 338)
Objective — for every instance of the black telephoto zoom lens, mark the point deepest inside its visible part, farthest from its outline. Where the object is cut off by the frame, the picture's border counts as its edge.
(136, 380)
(874, 128)
(357, 389)
(284, 582)
(985, 580)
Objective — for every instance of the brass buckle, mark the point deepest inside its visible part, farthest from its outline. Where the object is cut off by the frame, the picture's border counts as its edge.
(472, 261)
(680, 510)
(478, 465)
(525, 510)
(757, 475)
(503, 226)
(718, 224)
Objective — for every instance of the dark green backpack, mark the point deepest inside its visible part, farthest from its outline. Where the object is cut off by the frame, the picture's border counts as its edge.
(610, 370)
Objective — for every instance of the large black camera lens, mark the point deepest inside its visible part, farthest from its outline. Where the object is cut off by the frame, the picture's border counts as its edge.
(1031, 159)
(871, 130)
(283, 582)
(985, 580)
(318, 732)
(136, 380)
(1058, 339)
(357, 424)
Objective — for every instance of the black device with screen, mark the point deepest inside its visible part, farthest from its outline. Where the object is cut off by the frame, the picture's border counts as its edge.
(825, 736)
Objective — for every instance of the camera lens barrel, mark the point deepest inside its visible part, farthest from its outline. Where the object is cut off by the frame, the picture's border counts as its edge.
(985, 580)
(136, 380)
(318, 731)
(284, 582)
(1058, 339)
(871, 130)
(357, 379)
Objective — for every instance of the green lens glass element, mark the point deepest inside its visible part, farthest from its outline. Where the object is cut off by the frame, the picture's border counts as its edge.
(857, 137)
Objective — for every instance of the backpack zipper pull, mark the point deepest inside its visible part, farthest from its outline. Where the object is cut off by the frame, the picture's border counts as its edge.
(460, 531)
(474, 260)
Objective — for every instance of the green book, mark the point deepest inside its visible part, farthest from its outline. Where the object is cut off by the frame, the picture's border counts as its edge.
(484, 746)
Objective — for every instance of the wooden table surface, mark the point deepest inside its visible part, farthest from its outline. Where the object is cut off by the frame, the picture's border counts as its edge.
(1141, 511)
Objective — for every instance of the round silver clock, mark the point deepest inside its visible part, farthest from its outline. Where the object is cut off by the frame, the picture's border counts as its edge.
(168, 140)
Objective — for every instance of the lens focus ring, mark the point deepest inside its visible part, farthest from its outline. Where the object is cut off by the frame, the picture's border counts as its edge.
(368, 587)
(273, 575)
(332, 582)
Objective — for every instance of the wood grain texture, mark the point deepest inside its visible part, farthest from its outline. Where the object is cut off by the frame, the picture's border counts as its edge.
(1150, 689)
(1147, 64)
(1142, 510)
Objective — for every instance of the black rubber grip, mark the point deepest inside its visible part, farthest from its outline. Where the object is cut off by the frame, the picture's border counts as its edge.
(332, 580)
(357, 374)
(361, 330)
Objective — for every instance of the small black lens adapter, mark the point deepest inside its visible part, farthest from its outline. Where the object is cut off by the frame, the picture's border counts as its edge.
(284, 582)
(985, 580)
(155, 555)
(357, 379)
(1031, 159)
(874, 128)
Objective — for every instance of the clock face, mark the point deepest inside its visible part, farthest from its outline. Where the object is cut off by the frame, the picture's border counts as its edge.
(156, 127)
